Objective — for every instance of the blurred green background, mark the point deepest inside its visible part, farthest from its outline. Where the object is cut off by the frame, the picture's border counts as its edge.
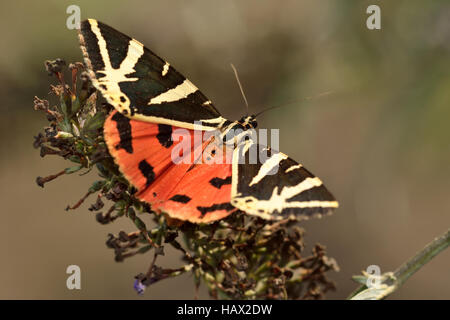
(380, 140)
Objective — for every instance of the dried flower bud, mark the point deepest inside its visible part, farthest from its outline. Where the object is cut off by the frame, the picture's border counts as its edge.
(54, 66)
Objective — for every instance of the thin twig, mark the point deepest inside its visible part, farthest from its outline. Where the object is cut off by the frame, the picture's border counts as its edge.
(80, 202)
(42, 180)
(150, 269)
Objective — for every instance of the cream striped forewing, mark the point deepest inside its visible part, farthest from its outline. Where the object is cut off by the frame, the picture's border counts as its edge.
(141, 85)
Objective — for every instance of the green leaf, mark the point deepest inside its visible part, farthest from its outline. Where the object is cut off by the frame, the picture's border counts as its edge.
(75, 104)
(97, 185)
(144, 249)
(73, 169)
(104, 173)
(375, 293)
(66, 105)
(79, 147)
(75, 159)
(360, 279)
(140, 224)
(65, 126)
(93, 123)
(63, 106)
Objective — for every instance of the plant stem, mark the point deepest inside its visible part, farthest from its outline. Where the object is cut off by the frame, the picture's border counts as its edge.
(421, 258)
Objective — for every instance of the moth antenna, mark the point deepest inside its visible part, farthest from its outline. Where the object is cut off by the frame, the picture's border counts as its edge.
(294, 101)
(240, 86)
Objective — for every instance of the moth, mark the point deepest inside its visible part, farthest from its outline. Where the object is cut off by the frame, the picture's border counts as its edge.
(153, 103)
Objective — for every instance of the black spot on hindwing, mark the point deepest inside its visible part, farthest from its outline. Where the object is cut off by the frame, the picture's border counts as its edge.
(180, 198)
(164, 135)
(219, 182)
(124, 128)
(215, 207)
(147, 171)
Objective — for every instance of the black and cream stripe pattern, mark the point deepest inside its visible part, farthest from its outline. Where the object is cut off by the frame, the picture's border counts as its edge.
(144, 87)
(278, 187)
(141, 85)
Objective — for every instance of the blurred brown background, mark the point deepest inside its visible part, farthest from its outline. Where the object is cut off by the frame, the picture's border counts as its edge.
(380, 141)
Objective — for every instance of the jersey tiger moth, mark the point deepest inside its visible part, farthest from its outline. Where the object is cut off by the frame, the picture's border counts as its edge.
(152, 100)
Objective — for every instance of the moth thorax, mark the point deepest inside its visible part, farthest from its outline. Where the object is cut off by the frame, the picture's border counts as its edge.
(237, 131)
